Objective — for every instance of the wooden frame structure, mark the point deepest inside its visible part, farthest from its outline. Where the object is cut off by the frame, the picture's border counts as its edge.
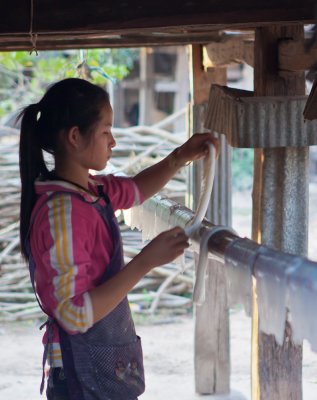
(97, 23)
(278, 63)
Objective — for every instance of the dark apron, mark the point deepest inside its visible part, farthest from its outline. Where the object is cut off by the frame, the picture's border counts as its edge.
(106, 362)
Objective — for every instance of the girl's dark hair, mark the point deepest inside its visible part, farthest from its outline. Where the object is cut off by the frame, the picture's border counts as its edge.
(68, 103)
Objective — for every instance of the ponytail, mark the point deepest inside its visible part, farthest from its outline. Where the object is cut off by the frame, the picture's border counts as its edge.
(70, 102)
(32, 164)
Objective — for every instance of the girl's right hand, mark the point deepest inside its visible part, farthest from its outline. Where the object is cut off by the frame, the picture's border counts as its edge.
(164, 248)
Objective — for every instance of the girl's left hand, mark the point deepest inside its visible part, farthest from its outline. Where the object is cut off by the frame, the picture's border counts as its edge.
(196, 147)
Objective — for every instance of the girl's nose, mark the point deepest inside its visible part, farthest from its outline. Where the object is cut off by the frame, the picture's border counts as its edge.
(113, 143)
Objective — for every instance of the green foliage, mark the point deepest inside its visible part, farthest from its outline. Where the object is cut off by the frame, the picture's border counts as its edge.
(242, 168)
(25, 76)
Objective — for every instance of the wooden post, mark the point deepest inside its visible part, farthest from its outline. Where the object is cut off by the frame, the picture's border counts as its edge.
(118, 105)
(181, 77)
(279, 217)
(212, 353)
(146, 99)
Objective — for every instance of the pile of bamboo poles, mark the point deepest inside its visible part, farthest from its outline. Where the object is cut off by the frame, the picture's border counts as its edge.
(16, 297)
(137, 147)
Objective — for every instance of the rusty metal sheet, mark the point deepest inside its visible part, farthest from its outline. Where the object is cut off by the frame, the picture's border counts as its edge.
(259, 122)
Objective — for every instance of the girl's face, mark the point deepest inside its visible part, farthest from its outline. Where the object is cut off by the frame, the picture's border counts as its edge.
(98, 150)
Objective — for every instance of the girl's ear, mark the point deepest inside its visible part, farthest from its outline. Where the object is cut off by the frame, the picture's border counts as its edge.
(73, 137)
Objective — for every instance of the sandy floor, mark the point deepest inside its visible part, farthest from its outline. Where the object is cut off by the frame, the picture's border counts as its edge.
(168, 356)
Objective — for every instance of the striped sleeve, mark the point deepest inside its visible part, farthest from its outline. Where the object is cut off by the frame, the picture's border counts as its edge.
(69, 258)
(122, 191)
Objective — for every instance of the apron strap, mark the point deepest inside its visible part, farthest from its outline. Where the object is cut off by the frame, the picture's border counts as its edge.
(102, 194)
(49, 322)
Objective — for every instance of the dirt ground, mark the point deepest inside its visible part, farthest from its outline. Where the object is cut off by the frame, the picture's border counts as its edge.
(167, 345)
(168, 357)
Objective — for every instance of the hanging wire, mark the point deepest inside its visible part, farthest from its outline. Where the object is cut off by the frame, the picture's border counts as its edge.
(33, 36)
(83, 68)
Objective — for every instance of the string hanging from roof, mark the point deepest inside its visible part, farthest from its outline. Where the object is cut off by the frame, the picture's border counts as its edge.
(33, 36)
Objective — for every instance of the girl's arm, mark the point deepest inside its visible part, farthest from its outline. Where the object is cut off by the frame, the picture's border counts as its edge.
(153, 179)
(62, 241)
(161, 250)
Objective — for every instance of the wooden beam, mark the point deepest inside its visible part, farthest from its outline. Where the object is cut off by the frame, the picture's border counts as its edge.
(202, 79)
(137, 22)
(105, 15)
(93, 40)
(310, 111)
(212, 351)
(146, 91)
(181, 96)
(227, 50)
(293, 56)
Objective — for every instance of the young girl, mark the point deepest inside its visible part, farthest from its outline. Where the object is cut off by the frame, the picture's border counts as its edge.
(71, 239)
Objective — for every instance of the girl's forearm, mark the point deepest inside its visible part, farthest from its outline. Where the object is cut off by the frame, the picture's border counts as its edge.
(163, 249)
(108, 295)
(154, 178)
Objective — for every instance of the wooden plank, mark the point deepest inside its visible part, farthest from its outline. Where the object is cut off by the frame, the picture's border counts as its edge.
(212, 351)
(135, 36)
(202, 79)
(227, 50)
(106, 15)
(181, 96)
(137, 22)
(146, 93)
(79, 41)
(276, 370)
(310, 111)
(293, 56)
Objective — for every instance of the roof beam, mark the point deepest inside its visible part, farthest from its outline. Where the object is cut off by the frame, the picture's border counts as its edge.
(75, 41)
(63, 24)
(228, 49)
(104, 15)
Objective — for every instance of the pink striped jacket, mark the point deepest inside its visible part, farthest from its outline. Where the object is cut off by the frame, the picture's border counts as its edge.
(71, 247)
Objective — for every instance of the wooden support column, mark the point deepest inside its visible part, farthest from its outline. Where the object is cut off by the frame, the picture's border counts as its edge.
(212, 353)
(146, 99)
(181, 95)
(280, 208)
(293, 55)
(118, 105)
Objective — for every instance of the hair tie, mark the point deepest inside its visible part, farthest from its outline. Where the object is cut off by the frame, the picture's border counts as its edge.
(37, 111)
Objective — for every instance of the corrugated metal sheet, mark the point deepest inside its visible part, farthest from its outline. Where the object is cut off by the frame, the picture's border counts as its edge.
(284, 211)
(261, 122)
